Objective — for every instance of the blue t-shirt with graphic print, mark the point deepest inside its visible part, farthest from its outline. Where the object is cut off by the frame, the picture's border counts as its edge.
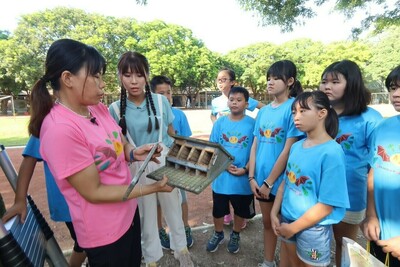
(315, 175)
(354, 136)
(274, 125)
(236, 137)
(386, 164)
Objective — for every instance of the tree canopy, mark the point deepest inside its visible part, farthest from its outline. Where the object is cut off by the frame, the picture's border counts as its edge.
(377, 13)
(172, 50)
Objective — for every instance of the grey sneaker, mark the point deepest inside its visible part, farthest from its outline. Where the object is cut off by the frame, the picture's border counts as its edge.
(164, 238)
(189, 238)
(183, 257)
(215, 241)
(233, 245)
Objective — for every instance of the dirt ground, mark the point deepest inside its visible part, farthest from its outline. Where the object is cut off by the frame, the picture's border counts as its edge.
(200, 219)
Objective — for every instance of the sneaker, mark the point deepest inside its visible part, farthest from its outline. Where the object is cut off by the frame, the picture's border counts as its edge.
(184, 258)
(164, 238)
(244, 224)
(227, 219)
(189, 238)
(233, 245)
(215, 241)
(264, 264)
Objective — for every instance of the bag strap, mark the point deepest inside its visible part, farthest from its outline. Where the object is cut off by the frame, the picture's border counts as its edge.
(160, 107)
(116, 110)
(387, 258)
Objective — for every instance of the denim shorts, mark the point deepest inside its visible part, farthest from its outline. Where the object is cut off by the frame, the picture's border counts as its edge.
(313, 245)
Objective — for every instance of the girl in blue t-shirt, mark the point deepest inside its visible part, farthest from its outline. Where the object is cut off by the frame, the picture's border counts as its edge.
(342, 82)
(274, 134)
(313, 194)
(382, 221)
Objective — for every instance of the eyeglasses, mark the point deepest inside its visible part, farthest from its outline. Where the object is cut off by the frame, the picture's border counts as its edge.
(222, 80)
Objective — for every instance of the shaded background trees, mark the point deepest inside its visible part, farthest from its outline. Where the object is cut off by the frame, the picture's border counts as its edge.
(172, 50)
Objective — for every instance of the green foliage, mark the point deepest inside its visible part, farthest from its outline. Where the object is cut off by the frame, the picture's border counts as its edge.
(287, 14)
(173, 51)
(385, 55)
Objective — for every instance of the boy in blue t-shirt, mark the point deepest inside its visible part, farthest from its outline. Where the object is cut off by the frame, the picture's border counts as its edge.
(235, 133)
(162, 85)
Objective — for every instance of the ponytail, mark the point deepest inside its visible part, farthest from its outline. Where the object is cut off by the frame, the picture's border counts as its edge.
(331, 122)
(41, 104)
(295, 89)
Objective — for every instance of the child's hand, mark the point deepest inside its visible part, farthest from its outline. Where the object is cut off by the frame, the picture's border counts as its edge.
(264, 192)
(284, 230)
(254, 188)
(370, 228)
(275, 223)
(232, 169)
(19, 208)
(391, 245)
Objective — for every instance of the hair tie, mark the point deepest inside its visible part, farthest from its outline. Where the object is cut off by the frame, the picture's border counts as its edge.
(330, 106)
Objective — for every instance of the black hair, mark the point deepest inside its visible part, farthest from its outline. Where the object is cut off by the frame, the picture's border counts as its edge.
(393, 78)
(240, 90)
(321, 101)
(63, 55)
(231, 73)
(356, 96)
(134, 62)
(284, 70)
(157, 80)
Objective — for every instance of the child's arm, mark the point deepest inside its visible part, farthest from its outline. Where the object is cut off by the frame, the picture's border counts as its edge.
(370, 225)
(24, 178)
(275, 222)
(278, 168)
(311, 217)
(252, 165)
(171, 130)
(260, 104)
(213, 118)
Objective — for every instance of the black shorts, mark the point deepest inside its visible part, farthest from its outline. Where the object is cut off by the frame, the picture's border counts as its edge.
(270, 199)
(125, 252)
(70, 227)
(243, 205)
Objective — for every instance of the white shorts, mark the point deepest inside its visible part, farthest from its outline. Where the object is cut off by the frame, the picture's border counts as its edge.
(354, 217)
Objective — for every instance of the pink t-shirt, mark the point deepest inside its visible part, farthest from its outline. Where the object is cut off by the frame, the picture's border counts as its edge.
(71, 143)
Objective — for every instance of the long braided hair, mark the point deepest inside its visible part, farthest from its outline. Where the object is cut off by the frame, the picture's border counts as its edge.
(134, 62)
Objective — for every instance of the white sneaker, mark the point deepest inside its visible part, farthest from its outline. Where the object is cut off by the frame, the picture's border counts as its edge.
(183, 257)
(263, 264)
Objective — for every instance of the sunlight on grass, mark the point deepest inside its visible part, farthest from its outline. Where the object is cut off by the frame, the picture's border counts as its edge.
(14, 130)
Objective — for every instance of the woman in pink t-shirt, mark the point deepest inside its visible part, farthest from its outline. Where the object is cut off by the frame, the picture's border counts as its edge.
(87, 154)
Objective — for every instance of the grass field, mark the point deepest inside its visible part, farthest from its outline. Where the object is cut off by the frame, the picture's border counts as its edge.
(14, 130)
